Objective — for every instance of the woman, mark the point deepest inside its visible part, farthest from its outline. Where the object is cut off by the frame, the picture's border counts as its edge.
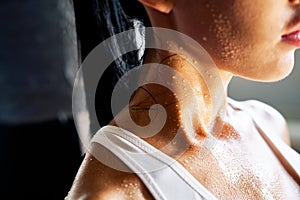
(250, 159)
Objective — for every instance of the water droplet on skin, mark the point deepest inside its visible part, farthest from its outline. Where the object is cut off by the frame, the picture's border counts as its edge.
(180, 48)
(126, 185)
(204, 38)
(186, 161)
(173, 77)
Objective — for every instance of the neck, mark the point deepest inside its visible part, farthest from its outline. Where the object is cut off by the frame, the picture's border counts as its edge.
(189, 100)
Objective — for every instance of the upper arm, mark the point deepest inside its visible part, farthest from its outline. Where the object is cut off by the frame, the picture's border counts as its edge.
(96, 181)
(272, 120)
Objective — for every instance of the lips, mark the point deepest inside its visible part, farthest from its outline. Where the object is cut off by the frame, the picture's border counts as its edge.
(292, 38)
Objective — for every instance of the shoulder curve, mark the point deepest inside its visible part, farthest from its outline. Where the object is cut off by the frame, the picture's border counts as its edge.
(96, 181)
(269, 117)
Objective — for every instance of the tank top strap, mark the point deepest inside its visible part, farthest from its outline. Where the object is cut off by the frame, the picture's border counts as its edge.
(164, 177)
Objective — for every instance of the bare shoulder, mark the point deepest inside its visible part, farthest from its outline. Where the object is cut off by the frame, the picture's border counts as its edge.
(96, 181)
(271, 118)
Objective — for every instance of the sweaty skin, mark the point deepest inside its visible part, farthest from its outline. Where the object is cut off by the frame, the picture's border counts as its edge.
(244, 38)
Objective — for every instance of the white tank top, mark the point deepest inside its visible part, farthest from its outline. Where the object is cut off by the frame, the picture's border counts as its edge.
(164, 177)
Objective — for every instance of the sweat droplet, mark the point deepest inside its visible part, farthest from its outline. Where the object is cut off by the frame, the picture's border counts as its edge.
(204, 38)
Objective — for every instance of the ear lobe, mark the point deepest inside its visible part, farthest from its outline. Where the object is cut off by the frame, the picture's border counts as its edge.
(164, 6)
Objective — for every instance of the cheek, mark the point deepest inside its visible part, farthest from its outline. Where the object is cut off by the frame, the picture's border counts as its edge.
(247, 44)
(224, 34)
(243, 38)
(227, 39)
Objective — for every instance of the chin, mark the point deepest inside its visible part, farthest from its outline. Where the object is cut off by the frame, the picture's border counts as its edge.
(271, 72)
(283, 69)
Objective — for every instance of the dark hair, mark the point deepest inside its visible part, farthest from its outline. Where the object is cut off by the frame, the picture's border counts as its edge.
(112, 19)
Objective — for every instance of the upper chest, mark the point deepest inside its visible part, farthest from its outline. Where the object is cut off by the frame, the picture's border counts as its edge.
(245, 168)
(229, 170)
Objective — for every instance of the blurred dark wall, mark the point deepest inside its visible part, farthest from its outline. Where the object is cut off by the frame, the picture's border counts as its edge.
(39, 147)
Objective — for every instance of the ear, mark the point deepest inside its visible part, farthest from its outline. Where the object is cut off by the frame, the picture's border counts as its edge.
(164, 6)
